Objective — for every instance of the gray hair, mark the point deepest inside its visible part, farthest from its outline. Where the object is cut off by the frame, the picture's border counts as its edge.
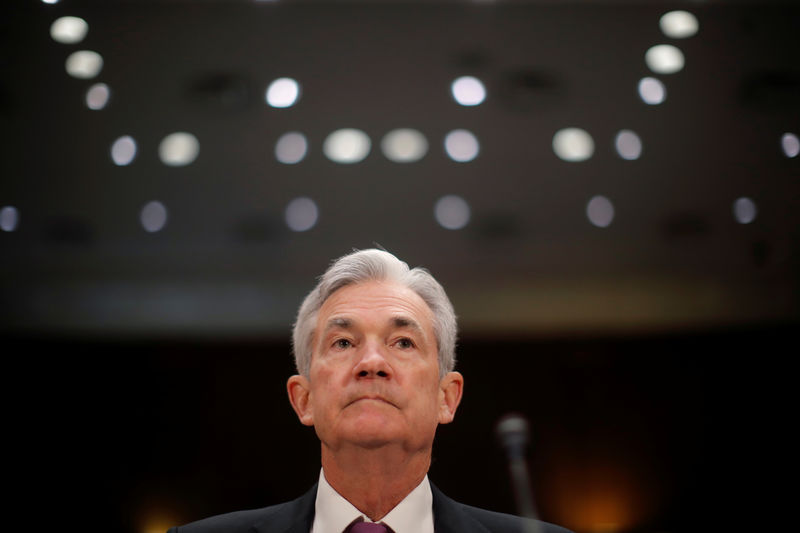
(375, 265)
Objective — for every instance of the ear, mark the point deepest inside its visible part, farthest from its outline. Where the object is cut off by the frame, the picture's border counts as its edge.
(450, 389)
(299, 391)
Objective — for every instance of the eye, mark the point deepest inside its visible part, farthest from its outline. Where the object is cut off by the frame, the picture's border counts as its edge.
(342, 344)
(404, 343)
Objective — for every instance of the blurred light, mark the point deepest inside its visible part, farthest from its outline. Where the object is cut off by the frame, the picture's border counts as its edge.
(153, 216)
(678, 24)
(50, 1)
(600, 211)
(628, 145)
(744, 210)
(97, 96)
(404, 145)
(461, 146)
(84, 64)
(664, 59)
(178, 149)
(573, 144)
(301, 214)
(123, 151)
(790, 144)
(282, 92)
(652, 91)
(347, 145)
(468, 91)
(9, 218)
(291, 148)
(68, 30)
(155, 520)
(452, 212)
(157, 527)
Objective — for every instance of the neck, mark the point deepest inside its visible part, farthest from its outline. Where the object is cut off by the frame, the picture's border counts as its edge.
(374, 480)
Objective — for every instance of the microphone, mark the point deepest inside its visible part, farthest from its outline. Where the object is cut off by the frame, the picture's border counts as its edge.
(513, 432)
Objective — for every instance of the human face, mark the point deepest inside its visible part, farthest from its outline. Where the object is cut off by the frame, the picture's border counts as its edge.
(374, 377)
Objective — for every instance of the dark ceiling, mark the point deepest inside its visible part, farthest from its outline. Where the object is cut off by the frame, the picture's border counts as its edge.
(528, 261)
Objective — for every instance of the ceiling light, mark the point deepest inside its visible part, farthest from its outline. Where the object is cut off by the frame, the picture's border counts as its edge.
(84, 64)
(282, 92)
(573, 144)
(451, 212)
(652, 91)
(153, 216)
(468, 91)
(600, 211)
(301, 214)
(9, 218)
(68, 30)
(678, 24)
(664, 59)
(97, 96)
(628, 145)
(461, 145)
(346, 145)
(178, 149)
(404, 145)
(123, 151)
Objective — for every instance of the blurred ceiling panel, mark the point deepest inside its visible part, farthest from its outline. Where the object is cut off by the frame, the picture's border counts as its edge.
(678, 213)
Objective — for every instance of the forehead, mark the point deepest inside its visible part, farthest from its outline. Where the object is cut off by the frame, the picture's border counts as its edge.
(375, 300)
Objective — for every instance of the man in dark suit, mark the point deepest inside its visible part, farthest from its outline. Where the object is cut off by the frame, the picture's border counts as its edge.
(374, 345)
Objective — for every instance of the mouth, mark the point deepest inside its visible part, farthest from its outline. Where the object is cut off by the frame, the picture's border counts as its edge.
(377, 399)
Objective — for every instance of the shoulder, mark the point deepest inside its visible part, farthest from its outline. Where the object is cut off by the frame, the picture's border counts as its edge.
(281, 517)
(501, 522)
(451, 515)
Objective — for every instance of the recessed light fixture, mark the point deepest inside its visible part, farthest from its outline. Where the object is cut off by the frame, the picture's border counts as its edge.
(664, 59)
(282, 92)
(461, 145)
(347, 145)
(573, 144)
(468, 91)
(678, 24)
(600, 211)
(301, 214)
(178, 149)
(84, 64)
(404, 145)
(68, 30)
(451, 212)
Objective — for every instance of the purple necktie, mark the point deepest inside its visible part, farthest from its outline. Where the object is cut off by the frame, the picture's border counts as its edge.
(366, 527)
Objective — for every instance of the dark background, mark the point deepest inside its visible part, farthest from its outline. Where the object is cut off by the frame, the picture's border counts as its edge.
(681, 432)
(144, 373)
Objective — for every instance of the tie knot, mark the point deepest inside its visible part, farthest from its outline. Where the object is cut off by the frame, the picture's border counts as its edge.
(367, 527)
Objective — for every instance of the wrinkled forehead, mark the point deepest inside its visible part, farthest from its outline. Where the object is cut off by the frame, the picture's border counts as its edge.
(390, 302)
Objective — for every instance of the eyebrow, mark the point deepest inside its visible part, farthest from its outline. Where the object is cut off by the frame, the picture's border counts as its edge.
(398, 322)
(406, 322)
(338, 323)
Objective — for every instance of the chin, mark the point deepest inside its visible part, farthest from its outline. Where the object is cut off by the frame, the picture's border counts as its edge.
(373, 432)
(373, 443)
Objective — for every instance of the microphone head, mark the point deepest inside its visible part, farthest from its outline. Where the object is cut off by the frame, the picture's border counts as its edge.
(513, 432)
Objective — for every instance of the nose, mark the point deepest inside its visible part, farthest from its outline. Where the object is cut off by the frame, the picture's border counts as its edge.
(372, 363)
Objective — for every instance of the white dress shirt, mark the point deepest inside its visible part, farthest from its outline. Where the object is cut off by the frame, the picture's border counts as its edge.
(332, 513)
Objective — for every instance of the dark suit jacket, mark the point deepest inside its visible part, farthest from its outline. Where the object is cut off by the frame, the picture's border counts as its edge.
(297, 516)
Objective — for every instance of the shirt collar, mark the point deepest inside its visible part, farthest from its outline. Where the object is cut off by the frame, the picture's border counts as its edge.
(333, 513)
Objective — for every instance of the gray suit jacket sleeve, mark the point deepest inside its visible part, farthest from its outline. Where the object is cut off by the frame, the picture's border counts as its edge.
(297, 516)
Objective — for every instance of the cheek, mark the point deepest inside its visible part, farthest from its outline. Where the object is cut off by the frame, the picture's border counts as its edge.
(323, 387)
(429, 398)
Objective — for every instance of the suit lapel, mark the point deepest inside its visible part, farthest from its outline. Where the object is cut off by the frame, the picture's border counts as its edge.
(449, 517)
(296, 516)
